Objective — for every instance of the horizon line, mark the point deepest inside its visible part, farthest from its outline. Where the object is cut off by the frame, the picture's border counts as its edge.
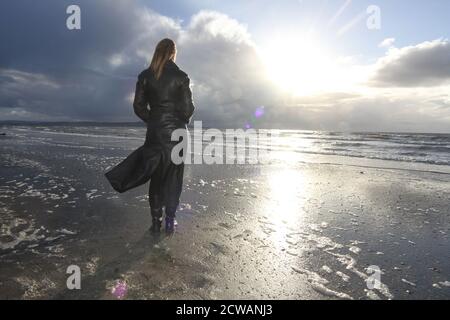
(140, 123)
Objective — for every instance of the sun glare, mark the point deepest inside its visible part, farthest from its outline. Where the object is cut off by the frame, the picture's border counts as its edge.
(301, 67)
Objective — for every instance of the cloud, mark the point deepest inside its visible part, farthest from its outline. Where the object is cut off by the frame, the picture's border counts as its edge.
(208, 25)
(424, 65)
(386, 43)
(373, 114)
(228, 76)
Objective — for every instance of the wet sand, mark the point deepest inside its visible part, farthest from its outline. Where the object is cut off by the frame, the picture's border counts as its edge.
(284, 230)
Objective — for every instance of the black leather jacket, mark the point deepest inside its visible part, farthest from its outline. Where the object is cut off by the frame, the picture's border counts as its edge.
(171, 107)
(169, 97)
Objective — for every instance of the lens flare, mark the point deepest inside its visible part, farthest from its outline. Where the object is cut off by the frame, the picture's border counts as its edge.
(120, 290)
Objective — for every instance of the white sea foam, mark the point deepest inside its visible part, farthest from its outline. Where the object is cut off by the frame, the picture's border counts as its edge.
(409, 282)
(319, 284)
(372, 295)
(343, 276)
(67, 232)
(327, 269)
(355, 249)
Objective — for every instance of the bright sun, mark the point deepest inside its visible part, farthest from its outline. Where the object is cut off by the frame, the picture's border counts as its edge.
(299, 66)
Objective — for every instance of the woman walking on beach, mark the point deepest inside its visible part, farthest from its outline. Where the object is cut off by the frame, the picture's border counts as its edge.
(163, 99)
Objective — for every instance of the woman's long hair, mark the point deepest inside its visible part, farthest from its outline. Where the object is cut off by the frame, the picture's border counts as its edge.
(165, 51)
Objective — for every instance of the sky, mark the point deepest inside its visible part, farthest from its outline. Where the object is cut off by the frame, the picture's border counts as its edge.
(337, 65)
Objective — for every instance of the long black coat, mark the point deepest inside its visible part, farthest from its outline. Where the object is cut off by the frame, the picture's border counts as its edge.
(165, 105)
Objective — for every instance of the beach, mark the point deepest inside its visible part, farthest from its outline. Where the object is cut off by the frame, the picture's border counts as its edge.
(304, 225)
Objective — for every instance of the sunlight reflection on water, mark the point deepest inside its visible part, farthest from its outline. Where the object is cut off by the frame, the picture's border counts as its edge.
(284, 209)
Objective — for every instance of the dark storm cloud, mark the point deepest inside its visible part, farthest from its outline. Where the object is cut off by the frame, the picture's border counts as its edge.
(34, 34)
(90, 74)
(39, 50)
(426, 64)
